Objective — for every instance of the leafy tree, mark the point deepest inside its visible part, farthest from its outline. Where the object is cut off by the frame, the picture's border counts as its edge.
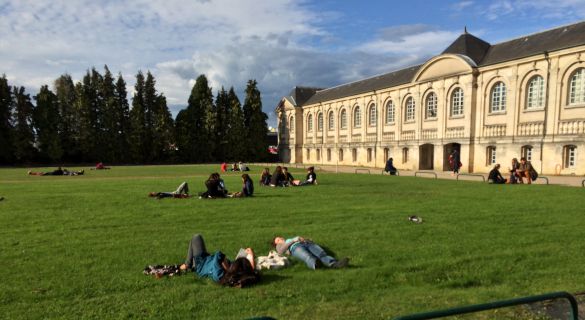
(255, 123)
(47, 120)
(23, 137)
(6, 106)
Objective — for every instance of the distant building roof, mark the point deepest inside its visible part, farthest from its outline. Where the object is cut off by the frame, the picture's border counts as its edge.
(478, 50)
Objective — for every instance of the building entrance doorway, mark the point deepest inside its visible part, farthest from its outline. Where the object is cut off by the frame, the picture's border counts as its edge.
(426, 157)
(447, 150)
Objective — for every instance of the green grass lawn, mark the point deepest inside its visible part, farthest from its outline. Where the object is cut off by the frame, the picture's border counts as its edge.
(75, 247)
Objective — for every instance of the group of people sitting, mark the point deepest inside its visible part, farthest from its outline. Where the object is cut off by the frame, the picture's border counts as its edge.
(519, 172)
(237, 166)
(243, 271)
(58, 172)
(281, 177)
(215, 189)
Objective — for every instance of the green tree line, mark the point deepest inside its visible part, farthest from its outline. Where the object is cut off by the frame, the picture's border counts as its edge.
(92, 121)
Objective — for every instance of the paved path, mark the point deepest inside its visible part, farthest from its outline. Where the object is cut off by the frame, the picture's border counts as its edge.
(575, 181)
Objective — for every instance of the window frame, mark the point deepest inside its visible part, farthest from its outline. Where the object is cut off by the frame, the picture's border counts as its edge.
(372, 115)
(429, 108)
(343, 119)
(410, 109)
(457, 102)
(291, 124)
(526, 151)
(491, 156)
(577, 75)
(310, 123)
(320, 122)
(331, 121)
(357, 117)
(498, 97)
(390, 112)
(532, 93)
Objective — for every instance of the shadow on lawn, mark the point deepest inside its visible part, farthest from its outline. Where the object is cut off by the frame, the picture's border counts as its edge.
(268, 278)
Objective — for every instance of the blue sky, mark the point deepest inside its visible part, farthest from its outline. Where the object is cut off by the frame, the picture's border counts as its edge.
(280, 43)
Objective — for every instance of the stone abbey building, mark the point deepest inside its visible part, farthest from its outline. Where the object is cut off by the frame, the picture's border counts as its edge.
(520, 98)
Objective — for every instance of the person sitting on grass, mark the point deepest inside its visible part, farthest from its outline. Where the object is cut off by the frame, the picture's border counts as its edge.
(247, 187)
(288, 177)
(243, 167)
(181, 192)
(235, 167)
(215, 187)
(524, 171)
(100, 166)
(513, 171)
(495, 176)
(238, 273)
(311, 178)
(265, 177)
(58, 172)
(277, 179)
(390, 167)
(308, 252)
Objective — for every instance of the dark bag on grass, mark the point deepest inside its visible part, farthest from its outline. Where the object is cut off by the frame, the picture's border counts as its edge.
(533, 175)
(240, 274)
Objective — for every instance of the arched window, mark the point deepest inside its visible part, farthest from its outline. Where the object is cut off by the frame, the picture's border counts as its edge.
(457, 102)
(569, 156)
(498, 95)
(291, 123)
(410, 106)
(343, 119)
(357, 117)
(320, 122)
(431, 106)
(535, 93)
(310, 123)
(490, 156)
(372, 116)
(390, 112)
(577, 87)
(526, 152)
(331, 121)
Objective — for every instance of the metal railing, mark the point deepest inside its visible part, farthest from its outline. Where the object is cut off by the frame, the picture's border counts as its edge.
(583, 183)
(416, 174)
(497, 305)
(543, 178)
(362, 170)
(470, 175)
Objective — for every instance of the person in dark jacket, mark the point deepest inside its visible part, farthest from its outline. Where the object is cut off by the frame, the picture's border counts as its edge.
(247, 187)
(514, 171)
(524, 171)
(278, 179)
(455, 161)
(311, 177)
(495, 176)
(215, 187)
(217, 267)
(288, 177)
(390, 167)
(265, 177)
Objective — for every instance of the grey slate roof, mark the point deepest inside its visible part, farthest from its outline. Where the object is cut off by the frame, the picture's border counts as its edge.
(481, 52)
(299, 95)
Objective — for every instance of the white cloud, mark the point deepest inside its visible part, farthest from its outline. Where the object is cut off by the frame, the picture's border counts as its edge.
(537, 9)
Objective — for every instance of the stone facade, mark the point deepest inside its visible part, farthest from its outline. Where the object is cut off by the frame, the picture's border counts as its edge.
(490, 104)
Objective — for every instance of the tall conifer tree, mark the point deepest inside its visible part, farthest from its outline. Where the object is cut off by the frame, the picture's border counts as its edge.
(69, 125)
(23, 138)
(220, 129)
(236, 133)
(122, 118)
(138, 122)
(47, 122)
(255, 123)
(6, 104)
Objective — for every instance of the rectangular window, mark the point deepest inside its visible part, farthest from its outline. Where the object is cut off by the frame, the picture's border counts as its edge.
(490, 156)
(570, 155)
(369, 154)
(340, 154)
(308, 154)
(404, 155)
(386, 154)
(318, 154)
(354, 155)
(328, 154)
(527, 152)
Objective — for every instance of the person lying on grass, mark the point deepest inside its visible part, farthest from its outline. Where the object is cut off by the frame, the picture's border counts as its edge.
(215, 187)
(238, 273)
(308, 252)
(57, 172)
(100, 166)
(247, 188)
(181, 192)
